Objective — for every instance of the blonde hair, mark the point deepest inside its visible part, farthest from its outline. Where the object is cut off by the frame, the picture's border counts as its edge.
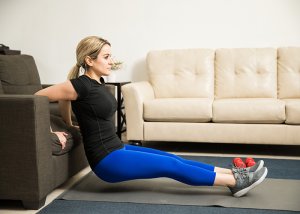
(89, 46)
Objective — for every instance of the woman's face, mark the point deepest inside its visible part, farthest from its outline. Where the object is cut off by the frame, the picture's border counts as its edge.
(102, 65)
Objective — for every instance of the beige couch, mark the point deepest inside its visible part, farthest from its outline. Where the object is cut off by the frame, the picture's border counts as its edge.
(243, 95)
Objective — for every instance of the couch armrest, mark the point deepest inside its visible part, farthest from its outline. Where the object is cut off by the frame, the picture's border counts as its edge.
(134, 96)
(26, 170)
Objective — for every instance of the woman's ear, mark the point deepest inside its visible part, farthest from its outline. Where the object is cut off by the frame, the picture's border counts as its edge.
(88, 61)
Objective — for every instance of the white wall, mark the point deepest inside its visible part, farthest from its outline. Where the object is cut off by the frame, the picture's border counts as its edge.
(50, 30)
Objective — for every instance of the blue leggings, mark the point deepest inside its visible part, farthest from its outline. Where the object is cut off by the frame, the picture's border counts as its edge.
(133, 162)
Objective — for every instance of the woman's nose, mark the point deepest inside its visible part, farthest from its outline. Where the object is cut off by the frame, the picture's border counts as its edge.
(111, 61)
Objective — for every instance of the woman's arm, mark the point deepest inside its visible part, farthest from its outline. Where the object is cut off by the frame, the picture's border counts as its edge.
(58, 93)
(62, 91)
(65, 111)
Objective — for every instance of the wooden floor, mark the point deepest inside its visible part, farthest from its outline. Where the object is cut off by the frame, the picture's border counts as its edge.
(178, 148)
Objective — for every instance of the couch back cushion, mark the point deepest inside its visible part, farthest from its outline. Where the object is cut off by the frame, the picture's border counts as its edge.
(288, 72)
(246, 73)
(19, 75)
(182, 73)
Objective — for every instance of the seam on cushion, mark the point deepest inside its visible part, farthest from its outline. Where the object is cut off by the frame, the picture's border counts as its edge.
(162, 117)
(168, 118)
(251, 102)
(234, 76)
(292, 123)
(286, 113)
(183, 121)
(215, 74)
(255, 121)
(286, 135)
(256, 52)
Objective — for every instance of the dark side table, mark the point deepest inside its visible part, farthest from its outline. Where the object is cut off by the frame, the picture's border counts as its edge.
(121, 120)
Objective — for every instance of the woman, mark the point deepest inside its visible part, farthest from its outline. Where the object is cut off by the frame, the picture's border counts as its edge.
(111, 160)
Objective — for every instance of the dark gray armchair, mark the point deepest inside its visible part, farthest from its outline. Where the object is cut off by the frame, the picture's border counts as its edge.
(32, 163)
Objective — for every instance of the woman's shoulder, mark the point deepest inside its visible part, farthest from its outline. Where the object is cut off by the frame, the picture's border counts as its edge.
(82, 86)
(83, 79)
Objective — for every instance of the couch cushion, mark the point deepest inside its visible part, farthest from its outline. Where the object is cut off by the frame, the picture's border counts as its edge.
(246, 73)
(288, 72)
(74, 137)
(19, 74)
(178, 110)
(187, 73)
(54, 110)
(249, 110)
(292, 109)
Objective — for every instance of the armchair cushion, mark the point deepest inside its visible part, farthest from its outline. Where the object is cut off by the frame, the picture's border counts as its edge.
(74, 137)
(178, 110)
(249, 110)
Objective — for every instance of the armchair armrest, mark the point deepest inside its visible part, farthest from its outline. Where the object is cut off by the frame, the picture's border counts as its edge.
(25, 147)
(134, 96)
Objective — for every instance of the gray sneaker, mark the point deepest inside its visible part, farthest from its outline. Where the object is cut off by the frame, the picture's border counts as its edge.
(254, 168)
(245, 180)
(257, 166)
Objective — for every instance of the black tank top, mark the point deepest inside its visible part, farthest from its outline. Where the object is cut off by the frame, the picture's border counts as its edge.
(94, 109)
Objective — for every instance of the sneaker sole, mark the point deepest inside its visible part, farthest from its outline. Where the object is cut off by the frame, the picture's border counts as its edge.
(260, 165)
(244, 191)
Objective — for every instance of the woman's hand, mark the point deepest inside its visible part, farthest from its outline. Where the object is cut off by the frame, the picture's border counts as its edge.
(76, 126)
(62, 138)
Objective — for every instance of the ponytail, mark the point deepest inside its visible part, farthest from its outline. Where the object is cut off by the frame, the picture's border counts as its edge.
(74, 72)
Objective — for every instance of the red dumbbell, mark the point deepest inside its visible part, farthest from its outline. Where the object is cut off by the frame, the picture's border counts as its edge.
(238, 162)
(250, 162)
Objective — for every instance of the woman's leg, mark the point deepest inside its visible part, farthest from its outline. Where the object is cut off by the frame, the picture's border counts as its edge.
(158, 152)
(193, 163)
(223, 170)
(224, 180)
(122, 165)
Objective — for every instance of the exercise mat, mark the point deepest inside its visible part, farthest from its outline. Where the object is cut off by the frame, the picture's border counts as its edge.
(273, 194)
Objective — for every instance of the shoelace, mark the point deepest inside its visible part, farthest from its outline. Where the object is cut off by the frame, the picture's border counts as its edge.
(235, 166)
(240, 173)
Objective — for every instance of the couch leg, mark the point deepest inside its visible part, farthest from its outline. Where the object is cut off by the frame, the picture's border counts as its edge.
(135, 142)
(34, 205)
